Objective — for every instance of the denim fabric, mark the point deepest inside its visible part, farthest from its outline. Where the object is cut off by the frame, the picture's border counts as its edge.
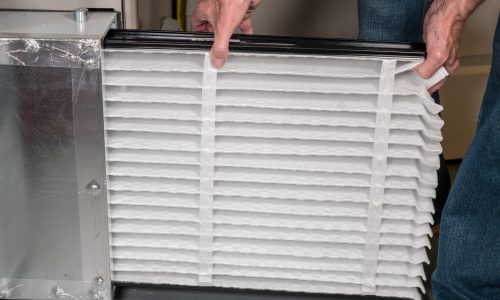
(468, 265)
(401, 21)
(392, 20)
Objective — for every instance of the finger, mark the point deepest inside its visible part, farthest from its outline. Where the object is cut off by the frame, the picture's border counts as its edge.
(253, 5)
(453, 63)
(229, 17)
(434, 61)
(204, 27)
(197, 24)
(246, 26)
(452, 66)
(210, 28)
(437, 86)
(202, 15)
(220, 48)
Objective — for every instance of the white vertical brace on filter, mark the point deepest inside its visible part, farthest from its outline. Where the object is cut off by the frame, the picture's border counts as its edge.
(205, 254)
(379, 165)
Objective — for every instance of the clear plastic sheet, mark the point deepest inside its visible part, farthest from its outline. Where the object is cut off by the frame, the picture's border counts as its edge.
(78, 53)
(96, 289)
(53, 226)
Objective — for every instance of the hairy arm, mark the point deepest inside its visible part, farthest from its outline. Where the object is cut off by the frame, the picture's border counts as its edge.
(443, 27)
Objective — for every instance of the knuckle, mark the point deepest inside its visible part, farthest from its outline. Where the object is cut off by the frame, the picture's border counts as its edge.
(440, 56)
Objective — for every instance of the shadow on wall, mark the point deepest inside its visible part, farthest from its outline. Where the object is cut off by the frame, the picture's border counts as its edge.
(320, 18)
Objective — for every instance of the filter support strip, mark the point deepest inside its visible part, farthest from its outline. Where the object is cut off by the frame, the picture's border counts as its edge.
(205, 254)
(377, 183)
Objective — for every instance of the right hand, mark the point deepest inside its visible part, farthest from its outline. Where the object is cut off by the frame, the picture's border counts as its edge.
(223, 17)
(443, 27)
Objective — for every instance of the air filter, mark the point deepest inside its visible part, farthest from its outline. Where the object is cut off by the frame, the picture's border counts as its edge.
(310, 169)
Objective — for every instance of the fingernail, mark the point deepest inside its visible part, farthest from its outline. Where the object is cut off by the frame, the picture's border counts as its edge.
(216, 61)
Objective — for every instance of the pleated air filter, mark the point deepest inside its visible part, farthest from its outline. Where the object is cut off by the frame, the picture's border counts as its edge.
(291, 172)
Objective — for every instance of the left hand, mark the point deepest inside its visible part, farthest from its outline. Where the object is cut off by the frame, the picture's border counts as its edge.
(223, 17)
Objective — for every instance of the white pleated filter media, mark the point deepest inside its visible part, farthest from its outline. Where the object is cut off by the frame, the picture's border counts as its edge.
(278, 172)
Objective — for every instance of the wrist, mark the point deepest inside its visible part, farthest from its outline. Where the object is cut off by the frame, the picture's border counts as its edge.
(458, 10)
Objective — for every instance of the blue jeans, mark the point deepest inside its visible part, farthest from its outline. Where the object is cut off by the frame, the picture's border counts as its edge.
(468, 265)
(392, 20)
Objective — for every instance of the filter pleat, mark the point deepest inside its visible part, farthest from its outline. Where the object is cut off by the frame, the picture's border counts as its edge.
(262, 175)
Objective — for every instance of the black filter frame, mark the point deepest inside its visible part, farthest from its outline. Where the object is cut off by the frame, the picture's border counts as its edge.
(148, 39)
(154, 39)
(131, 291)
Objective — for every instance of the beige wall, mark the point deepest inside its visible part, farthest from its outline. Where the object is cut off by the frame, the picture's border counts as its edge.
(152, 11)
(479, 29)
(321, 18)
(318, 18)
(461, 98)
(326, 18)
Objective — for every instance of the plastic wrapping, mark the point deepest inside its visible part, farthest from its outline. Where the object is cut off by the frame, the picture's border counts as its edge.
(96, 289)
(80, 53)
(53, 226)
(319, 170)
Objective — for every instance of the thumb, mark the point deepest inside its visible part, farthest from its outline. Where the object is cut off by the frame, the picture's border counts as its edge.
(434, 61)
(220, 49)
(229, 17)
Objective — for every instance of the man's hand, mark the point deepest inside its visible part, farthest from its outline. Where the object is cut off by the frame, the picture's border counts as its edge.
(223, 17)
(442, 31)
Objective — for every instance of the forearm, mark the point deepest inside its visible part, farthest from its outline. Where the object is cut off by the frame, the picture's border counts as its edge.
(459, 10)
(468, 7)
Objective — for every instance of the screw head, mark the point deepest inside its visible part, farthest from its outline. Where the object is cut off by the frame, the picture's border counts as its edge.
(81, 15)
(93, 187)
(99, 280)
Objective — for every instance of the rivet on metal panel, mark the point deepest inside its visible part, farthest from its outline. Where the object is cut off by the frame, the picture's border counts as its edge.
(99, 280)
(94, 188)
(5, 291)
(58, 292)
(98, 290)
(89, 64)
